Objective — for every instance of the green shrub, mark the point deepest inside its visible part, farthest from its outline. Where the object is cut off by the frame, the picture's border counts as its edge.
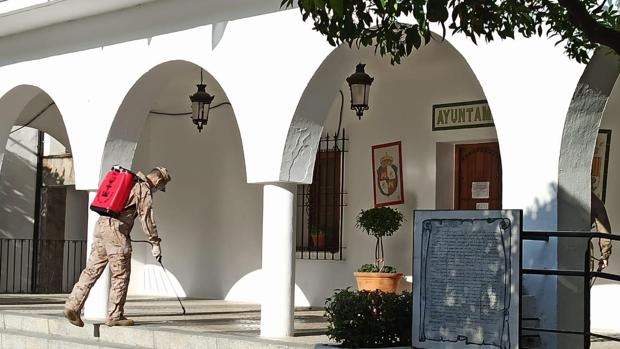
(369, 319)
(371, 268)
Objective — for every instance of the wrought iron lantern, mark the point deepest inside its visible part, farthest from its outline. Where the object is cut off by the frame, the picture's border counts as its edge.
(201, 104)
(359, 83)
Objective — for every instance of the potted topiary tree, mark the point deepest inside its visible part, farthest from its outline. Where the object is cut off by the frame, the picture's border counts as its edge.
(378, 222)
(318, 236)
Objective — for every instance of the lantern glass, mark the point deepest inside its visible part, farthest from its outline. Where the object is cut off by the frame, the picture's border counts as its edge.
(359, 95)
(204, 111)
(195, 110)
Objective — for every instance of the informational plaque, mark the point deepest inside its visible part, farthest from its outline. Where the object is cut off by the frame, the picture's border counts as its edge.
(466, 279)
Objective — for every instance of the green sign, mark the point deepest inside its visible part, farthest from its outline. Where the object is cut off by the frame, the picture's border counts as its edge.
(462, 115)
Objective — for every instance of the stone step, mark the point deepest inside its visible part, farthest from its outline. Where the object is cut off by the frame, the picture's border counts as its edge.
(39, 328)
(56, 331)
(32, 340)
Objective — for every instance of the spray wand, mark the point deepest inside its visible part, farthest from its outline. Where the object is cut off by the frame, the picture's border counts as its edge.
(165, 273)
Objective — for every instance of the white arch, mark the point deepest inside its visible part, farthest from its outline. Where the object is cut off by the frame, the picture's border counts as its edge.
(129, 121)
(579, 137)
(574, 184)
(312, 110)
(31, 99)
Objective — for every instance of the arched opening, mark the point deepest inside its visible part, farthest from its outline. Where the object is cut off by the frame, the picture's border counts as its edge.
(431, 106)
(43, 220)
(209, 218)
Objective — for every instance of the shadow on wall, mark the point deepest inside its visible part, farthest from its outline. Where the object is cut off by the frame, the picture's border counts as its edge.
(567, 254)
(17, 190)
(252, 288)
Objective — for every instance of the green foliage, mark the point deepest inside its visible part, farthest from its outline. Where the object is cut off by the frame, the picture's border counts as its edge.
(372, 268)
(379, 221)
(388, 269)
(581, 25)
(369, 319)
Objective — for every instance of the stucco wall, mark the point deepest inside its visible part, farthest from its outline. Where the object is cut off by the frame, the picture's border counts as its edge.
(209, 218)
(17, 185)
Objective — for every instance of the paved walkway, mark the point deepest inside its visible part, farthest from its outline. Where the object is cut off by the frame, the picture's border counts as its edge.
(241, 320)
(203, 316)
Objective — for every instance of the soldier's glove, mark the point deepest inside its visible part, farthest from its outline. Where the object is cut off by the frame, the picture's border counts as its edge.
(602, 263)
(156, 251)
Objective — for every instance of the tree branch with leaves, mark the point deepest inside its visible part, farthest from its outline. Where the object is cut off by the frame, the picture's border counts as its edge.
(580, 25)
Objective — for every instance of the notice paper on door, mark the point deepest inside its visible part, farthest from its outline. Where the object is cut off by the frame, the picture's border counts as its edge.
(482, 205)
(480, 190)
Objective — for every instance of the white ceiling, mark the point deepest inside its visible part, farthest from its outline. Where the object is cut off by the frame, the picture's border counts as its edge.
(41, 13)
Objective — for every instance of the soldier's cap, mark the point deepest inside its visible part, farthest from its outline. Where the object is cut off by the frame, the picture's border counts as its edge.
(164, 175)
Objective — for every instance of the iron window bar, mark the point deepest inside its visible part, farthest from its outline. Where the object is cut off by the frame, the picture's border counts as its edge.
(586, 274)
(322, 203)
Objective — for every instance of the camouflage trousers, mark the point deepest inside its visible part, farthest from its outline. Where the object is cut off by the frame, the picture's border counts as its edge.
(109, 246)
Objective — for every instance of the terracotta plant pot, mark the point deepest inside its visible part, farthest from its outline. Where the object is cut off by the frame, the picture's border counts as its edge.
(318, 241)
(386, 282)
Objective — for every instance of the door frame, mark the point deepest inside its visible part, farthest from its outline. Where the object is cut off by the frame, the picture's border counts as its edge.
(457, 188)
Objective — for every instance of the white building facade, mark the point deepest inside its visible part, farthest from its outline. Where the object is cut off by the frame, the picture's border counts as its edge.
(228, 219)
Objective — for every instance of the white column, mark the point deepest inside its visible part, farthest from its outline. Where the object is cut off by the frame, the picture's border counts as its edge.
(96, 306)
(278, 270)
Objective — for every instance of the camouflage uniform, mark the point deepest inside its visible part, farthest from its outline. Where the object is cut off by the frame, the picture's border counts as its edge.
(112, 245)
(600, 223)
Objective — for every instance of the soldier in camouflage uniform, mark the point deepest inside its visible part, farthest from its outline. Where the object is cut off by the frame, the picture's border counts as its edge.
(112, 245)
(600, 223)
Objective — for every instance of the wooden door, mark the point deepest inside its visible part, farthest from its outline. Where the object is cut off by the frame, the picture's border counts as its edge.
(478, 177)
(51, 239)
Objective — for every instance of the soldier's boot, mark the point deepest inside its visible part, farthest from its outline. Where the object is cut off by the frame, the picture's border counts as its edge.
(73, 317)
(119, 322)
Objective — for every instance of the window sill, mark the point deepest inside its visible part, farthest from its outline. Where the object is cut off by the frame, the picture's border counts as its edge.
(319, 260)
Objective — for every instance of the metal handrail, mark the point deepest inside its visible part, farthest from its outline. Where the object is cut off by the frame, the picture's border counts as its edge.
(536, 235)
(586, 274)
(21, 261)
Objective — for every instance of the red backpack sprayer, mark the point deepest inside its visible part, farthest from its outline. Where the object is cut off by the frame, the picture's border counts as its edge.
(111, 199)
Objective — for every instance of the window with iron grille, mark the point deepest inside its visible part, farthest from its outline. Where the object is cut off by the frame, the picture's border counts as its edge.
(320, 204)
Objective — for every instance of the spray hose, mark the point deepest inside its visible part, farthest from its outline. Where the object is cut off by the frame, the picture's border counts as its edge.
(165, 273)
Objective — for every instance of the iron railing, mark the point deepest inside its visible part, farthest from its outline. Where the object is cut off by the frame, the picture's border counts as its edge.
(587, 274)
(320, 204)
(40, 266)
